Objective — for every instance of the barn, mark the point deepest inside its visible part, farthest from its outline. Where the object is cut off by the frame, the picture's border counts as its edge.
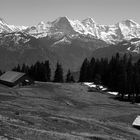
(12, 78)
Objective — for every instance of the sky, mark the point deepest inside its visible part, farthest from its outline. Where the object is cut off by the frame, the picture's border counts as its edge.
(31, 12)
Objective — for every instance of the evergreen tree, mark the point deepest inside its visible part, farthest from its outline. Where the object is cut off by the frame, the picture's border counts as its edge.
(84, 77)
(58, 76)
(129, 69)
(18, 69)
(118, 74)
(69, 77)
(97, 79)
(72, 79)
(40, 71)
(47, 71)
(91, 69)
(1, 72)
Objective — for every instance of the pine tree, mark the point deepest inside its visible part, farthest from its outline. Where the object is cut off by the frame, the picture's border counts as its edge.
(68, 76)
(58, 76)
(129, 69)
(84, 77)
(119, 74)
(72, 79)
(97, 79)
(47, 71)
(91, 70)
(1, 72)
(18, 69)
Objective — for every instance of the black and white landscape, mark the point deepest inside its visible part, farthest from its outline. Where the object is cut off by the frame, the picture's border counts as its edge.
(67, 41)
(69, 70)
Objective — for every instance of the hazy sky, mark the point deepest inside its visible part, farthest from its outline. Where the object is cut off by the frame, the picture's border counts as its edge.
(30, 12)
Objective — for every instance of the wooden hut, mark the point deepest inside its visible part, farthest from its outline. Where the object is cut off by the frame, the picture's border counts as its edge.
(12, 78)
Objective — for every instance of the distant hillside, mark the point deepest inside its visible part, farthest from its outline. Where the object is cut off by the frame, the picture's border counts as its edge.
(124, 47)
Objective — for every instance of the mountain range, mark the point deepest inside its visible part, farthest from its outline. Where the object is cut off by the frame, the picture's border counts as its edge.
(67, 41)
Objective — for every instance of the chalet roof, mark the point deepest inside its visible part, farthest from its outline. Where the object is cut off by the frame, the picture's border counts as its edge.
(136, 121)
(11, 76)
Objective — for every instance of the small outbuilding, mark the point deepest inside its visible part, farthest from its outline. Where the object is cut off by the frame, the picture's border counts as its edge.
(12, 78)
(136, 122)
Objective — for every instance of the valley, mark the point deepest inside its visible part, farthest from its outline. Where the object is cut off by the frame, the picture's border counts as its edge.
(67, 41)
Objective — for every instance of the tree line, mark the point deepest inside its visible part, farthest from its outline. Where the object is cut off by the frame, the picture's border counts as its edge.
(118, 74)
(41, 71)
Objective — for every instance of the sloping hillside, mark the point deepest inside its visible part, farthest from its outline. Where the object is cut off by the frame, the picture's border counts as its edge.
(64, 111)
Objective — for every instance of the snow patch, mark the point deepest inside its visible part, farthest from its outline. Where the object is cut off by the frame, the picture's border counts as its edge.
(62, 41)
(104, 89)
(128, 48)
(113, 93)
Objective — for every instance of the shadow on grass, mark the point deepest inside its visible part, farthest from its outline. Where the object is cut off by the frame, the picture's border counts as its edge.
(126, 99)
(119, 98)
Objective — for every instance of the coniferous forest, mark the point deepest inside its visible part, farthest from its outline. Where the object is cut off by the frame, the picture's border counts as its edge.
(41, 71)
(119, 74)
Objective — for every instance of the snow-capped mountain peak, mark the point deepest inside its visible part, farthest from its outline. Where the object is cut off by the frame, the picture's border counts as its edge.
(4, 27)
(88, 21)
(124, 30)
(128, 29)
(60, 21)
(129, 23)
(41, 26)
(2, 21)
(62, 25)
